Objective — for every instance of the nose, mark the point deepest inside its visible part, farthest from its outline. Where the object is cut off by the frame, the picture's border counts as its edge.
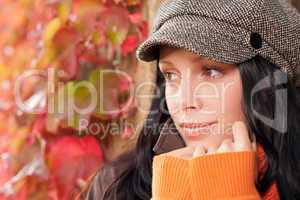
(189, 100)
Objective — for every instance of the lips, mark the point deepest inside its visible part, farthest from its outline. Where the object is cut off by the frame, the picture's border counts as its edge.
(195, 131)
(196, 125)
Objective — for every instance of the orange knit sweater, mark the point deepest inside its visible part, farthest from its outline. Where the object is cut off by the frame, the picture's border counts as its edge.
(222, 176)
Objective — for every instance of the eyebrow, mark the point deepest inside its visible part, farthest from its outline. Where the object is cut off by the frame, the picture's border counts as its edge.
(165, 62)
(193, 60)
(171, 64)
(197, 59)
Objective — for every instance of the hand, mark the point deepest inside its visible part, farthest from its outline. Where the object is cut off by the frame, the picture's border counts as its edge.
(241, 143)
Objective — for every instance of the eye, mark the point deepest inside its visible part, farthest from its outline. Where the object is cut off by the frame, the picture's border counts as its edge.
(170, 76)
(214, 73)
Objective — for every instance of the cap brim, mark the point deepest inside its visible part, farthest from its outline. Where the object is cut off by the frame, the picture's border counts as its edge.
(203, 36)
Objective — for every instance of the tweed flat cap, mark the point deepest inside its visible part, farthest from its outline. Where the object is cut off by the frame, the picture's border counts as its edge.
(230, 31)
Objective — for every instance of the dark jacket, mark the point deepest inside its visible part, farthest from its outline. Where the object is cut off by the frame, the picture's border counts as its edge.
(168, 140)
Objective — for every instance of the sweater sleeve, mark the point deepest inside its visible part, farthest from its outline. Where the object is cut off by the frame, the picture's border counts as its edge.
(170, 179)
(222, 176)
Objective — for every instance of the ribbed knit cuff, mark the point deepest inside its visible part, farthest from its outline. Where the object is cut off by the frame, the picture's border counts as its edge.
(170, 178)
(224, 176)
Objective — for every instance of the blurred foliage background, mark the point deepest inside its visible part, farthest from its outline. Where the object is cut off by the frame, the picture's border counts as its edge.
(51, 50)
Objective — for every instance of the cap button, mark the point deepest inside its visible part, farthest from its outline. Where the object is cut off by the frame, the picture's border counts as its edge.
(256, 40)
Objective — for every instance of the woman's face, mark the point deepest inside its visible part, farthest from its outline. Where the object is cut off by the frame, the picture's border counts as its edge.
(203, 96)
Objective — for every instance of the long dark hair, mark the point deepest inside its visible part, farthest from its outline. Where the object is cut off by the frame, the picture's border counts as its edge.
(281, 148)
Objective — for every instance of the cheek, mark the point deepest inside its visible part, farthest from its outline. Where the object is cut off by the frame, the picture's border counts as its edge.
(172, 98)
(232, 107)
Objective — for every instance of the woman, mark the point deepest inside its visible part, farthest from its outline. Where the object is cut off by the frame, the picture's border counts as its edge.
(226, 94)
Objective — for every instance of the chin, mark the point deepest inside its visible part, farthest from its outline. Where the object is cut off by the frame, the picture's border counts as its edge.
(206, 139)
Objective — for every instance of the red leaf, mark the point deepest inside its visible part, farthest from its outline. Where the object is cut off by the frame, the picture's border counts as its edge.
(135, 18)
(69, 64)
(72, 158)
(66, 37)
(143, 30)
(129, 45)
